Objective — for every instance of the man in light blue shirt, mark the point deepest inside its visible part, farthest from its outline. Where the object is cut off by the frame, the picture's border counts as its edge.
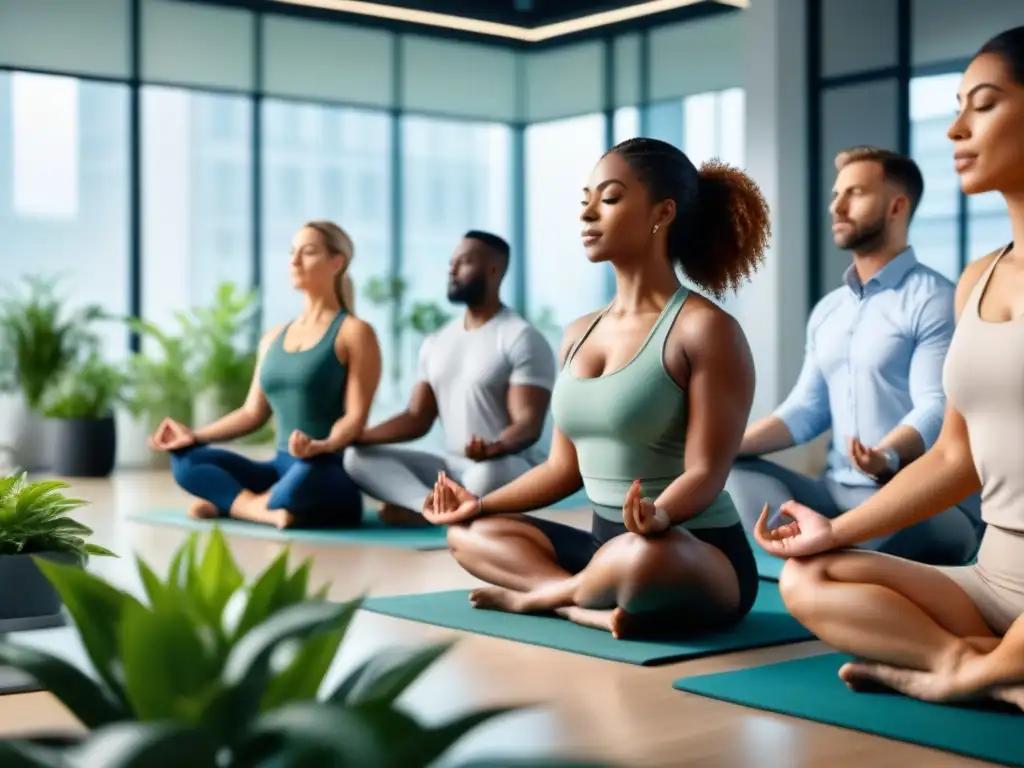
(872, 369)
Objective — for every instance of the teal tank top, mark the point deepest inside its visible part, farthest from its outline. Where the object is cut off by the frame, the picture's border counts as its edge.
(631, 424)
(305, 390)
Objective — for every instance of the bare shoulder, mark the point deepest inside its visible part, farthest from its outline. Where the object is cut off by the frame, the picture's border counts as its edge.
(573, 332)
(703, 326)
(271, 335)
(355, 331)
(971, 275)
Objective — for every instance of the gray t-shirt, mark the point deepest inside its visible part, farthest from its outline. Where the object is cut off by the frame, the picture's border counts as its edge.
(470, 372)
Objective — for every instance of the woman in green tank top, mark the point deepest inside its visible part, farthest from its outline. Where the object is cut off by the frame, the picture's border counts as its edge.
(650, 407)
(317, 377)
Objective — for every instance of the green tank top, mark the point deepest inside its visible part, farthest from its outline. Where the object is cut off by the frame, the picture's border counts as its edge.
(631, 424)
(305, 390)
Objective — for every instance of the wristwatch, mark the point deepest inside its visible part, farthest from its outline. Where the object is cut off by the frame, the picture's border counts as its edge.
(892, 459)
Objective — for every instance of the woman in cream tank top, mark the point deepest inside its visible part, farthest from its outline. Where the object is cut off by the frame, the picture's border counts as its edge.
(943, 634)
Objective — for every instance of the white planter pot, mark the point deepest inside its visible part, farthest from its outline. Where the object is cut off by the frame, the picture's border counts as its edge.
(24, 435)
(13, 415)
(133, 450)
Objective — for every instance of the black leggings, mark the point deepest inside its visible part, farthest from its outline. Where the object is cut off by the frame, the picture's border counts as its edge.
(574, 549)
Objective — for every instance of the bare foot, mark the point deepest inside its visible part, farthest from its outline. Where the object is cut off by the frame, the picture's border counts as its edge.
(283, 519)
(594, 618)
(498, 599)
(392, 514)
(926, 686)
(1010, 694)
(201, 509)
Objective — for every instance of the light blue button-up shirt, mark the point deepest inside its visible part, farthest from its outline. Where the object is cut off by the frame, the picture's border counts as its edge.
(874, 361)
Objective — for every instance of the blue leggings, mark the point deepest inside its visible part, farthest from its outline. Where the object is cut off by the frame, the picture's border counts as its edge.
(318, 492)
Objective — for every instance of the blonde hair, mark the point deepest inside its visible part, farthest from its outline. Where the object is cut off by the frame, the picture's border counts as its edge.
(338, 243)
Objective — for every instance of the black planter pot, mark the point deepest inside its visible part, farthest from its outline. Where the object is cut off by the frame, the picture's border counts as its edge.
(84, 447)
(34, 604)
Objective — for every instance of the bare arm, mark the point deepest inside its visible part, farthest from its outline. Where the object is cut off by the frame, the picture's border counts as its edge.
(527, 406)
(766, 435)
(253, 413)
(940, 478)
(721, 393)
(559, 475)
(411, 424)
(356, 345)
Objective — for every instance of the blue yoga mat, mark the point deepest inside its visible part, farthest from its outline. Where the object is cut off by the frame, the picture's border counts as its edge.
(767, 624)
(372, 533)
(810, 689)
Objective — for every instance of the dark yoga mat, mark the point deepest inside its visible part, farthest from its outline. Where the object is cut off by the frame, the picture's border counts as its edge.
(767, 624)
(373, 533)
(810, 689)
(768, 566)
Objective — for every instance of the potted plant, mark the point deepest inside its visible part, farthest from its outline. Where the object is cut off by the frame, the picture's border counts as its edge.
(222, 340)
(42, 340)
(181, 680)
(158, 384)
(35, 529)
(81, 407)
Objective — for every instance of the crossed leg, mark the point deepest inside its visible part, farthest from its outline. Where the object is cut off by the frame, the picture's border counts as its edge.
(632, 584)
(911, 627)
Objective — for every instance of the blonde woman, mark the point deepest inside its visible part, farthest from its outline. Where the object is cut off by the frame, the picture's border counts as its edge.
(317, 377)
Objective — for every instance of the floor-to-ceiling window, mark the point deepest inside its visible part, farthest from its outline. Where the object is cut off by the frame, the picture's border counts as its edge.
(196, 198)
(456, 176)
(935, 232)
(64, 182)
(561, 284)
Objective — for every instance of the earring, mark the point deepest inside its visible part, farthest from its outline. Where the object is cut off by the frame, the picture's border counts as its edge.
(655, 230)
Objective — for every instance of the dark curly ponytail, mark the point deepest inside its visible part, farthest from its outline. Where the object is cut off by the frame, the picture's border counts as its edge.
(722, 222)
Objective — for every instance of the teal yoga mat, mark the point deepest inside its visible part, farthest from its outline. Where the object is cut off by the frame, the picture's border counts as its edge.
(373, 533)
(767, 624)
(809, 689)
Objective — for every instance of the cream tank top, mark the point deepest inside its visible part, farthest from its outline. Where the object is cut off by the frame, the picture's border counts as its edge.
(983, 377)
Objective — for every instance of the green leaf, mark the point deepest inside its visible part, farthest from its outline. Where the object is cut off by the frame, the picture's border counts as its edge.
(263, 595)
(150, 582)
(96, 549)
(82, 695)
(302, 678)
(330, 735)
(22, 753)
(384, 677)
(147, 745)
(246, 672)
(167, 669)
(96, 608)
(218, 577)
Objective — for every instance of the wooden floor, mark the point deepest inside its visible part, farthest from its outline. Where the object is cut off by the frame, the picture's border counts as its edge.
(587, 707)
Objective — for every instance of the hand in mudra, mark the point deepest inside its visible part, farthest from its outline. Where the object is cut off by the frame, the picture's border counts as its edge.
(302, 446)
(171, 435)
(449, 503)
(810, 533)
(478, 449)
(640, 516)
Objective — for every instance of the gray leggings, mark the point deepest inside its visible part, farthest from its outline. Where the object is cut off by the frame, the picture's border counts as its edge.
(404, 477)
(949, 538)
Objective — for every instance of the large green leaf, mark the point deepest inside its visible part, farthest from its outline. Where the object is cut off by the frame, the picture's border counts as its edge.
(246, 672)
(22, 753)
(169, 673)
(218, 577)
(82, 695)
(263, 595)
(147, 745)
(302, 678)
(96, 608)
(382, 678)
(328, 735)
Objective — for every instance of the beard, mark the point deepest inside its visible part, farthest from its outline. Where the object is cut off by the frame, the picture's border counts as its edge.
(869, 237)
(471, 293)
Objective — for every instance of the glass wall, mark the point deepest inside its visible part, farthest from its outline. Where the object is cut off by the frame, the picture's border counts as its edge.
(456, 176)
(64, 190)
(196, 198)
(935, 232)
(560, 284)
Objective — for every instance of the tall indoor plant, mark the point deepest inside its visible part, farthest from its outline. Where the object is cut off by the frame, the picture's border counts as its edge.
(182, 680)
(35, 529)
